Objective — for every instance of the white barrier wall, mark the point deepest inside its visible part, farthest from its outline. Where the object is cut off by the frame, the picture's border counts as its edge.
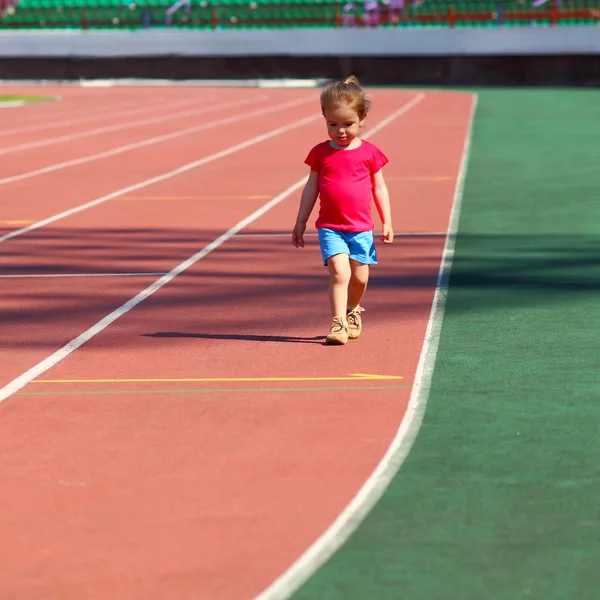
(302, 42)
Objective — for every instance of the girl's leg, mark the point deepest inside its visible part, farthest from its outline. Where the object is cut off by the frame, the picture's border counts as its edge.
(356, 288)
(359, 278)
(339, 278)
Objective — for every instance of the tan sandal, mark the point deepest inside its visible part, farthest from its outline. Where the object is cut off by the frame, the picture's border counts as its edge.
(354, 322)
(338, 334)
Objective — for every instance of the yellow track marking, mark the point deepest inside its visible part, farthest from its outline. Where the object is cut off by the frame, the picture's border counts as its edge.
(195, 197)
(352, 377)
(416, 178)
(214, 390)
(16, 222)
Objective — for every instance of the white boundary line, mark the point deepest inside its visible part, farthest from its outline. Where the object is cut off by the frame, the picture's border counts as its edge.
(151, 141)
(142, 82)
(128, 125)
(46, 364)
(372, 490)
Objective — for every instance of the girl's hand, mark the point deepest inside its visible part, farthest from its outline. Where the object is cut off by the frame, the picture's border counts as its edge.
(298, 235)
(387, 233)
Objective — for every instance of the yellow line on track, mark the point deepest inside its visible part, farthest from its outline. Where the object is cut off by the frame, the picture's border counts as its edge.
(416, 178)
(16, 222)
(195, 197)
(353, 377)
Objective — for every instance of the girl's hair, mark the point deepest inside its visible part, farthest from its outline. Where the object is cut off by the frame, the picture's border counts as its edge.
(348, 92)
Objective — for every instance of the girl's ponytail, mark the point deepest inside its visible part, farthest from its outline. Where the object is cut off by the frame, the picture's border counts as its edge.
(347, 91)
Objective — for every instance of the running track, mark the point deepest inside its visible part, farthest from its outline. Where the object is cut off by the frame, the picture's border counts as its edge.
(197, 442)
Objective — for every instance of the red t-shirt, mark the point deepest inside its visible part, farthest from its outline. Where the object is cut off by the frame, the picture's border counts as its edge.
(345, 184)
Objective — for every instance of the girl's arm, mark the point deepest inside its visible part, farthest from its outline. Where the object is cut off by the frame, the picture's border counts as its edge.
(307, 203)
(382, 202)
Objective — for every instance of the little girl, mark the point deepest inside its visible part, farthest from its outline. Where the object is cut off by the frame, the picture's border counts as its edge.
(345, 172)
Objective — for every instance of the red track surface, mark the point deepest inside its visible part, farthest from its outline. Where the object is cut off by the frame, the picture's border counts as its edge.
(149, 489)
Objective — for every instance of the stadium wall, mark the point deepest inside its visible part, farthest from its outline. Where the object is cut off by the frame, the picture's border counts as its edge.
(502, 56)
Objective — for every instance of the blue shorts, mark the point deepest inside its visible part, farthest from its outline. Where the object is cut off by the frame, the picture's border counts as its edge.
(359, 245)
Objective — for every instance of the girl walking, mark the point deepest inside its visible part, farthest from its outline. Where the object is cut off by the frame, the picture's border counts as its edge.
(345, 173)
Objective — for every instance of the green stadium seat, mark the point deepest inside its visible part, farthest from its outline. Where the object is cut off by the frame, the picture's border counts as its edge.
(295, 13)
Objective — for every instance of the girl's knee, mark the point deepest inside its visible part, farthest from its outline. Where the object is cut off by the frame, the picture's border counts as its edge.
(340, 276)
(339, 268)
(360, 272)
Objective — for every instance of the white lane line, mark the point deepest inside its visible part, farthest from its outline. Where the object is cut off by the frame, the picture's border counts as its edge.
(149, 273)
(151, 141)
(188, 167)
(372, 490)
(97, 115)
(56, 275)
(128, 125)
(42, 367)
(286, 235)
(81, 339)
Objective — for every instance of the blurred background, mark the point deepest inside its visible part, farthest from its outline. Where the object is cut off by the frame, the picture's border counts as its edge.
(424, 42)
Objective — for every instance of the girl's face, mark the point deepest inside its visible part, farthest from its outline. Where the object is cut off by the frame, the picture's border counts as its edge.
(343, 124)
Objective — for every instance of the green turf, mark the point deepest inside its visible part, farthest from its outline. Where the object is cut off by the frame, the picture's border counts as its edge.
(9, 98)
(500, 496)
